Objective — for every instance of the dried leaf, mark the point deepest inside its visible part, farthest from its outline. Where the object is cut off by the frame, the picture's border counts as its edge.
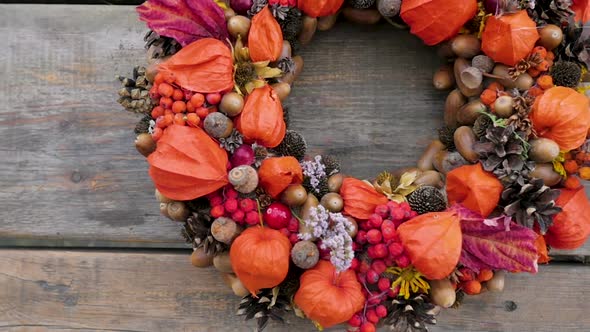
(487, 244)
(184, 20)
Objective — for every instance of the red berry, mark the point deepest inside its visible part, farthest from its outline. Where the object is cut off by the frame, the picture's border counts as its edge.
(413, 214)
(379, 266)
(388, 232)
(392, 205)
(285, 232)
(372, 316)
(403, 261)
(367, 327)
(247, 205)
(202, 112)
(252, 218)
(354, 264)
(393, 292)
(189, 107)
(293, 225)
(157, 134)
(380, 250)
(384, 284)
(372, 276)
(395, 249)
(165, 90)
(398, 215)
(178, 94)
(364, 267)
(374, 236)
(216, 200)
(231, 205)
(355, 321)
(361, 237)
(166, 102)
(277, 215)
(371, 252)
(364, 225)
(179, 106)
(169, 78)
(197, 100)
(238, 216)
(157, 112)
(467, 274)
(381, 311)
(375, 298)
(213, 98)
(230, 192)
(293, 238)
(159, 78)
(375, 221)
(179, 119)
(405, 206)
(382, 210)
(362, 280)
(217, 211)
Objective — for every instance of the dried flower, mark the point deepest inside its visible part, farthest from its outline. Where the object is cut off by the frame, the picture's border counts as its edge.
(409, 281)
(315, 170)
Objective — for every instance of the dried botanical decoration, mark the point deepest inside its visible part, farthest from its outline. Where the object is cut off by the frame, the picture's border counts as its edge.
(135, 93)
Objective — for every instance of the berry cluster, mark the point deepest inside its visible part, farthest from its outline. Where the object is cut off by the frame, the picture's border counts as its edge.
(471, 282)
(378, 237)
(227, 203)
(179, 106)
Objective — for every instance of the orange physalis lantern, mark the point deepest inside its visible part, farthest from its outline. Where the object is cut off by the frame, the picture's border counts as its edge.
(328, 297)
(260, 258)
(509, 38)
(319, 8)
(474, 188)
(433, 241)
(265, 39)
(563, 115)
(277, 173)
(571, 227)
(187, 164)
(204, 66)
(360, 198)
(582, 10)
(262, 118)
(435, 21)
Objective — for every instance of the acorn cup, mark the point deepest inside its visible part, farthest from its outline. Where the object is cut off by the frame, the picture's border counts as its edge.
(468, 88)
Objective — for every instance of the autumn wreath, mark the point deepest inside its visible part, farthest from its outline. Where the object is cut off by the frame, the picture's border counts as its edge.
(292, 233)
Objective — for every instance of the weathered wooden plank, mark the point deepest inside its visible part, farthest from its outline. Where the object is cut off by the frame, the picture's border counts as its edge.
(70, 176)
(86, 290)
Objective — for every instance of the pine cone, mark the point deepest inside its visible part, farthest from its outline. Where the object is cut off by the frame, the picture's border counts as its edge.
(320, 190)
(143, 126)
(262, 308)
(159, 46)
(531, 202)
(427, 199)
(135, 93)
(525, 64)
(446, 136)
(332, 164)
(232, 142)
(293, 144)
(481, 125)
(197, 231)
(291, 26)
(566, 73)
(550, 11)
(411, 315)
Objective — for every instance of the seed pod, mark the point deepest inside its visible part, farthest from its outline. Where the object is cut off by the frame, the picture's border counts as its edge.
(305, 254)
(504, 106)
(389, 8)
(471, 77)
(283, 89)
(327, 22)
(310, 25)
(551, 36)
(218, 125)
(546, 172)
(294, 195)
(483, 63)
(335, 182)
(222, 262)
(464, 140)
(244, 179)
(454, 102)
(426, 161)
(225, 230)
(233, 282)
(238, 26)
(231, 104)
(460, 65)
(496, 284)
(442, 293)
(161, 198)
(145, 144)
(466, 46)
(332, 202)
(470, 112)
(543, 150)
(199, 258)
(361, 16)
(429, 178)
(443, 78)
(178, 211)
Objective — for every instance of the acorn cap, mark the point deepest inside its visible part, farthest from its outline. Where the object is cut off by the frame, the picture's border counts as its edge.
(427, 199)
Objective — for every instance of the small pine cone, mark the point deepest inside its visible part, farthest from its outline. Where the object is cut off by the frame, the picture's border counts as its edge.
(566, 73)
(143, 125)
(446, 136)
(427, 199)
(361, 4)
(332, 164)
(292, 145)
(482, 123)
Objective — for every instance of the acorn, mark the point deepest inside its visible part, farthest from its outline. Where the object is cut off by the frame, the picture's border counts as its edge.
(446, 161)
(232, 104)
(161, 198)
(426, 161)
(502, 71)
(229, 13)
(311, 203)
(444, 78)
(178, 211)
(244, 179)
(225, 230)
(442, 293)
(429, 178)
(551, 36)
(547, 173)
(471, 77)
(496, 284)
(292, 76)
(464, 141)
(218, 125)
(543, 150)
(233, 282)
(200, 258)
(483, 63)
(283, 89)
(335, 182)
(294, 195)
(466, 46)
(355, 227)
(361, 16)
(327, 22)
(222, 262)
(504, 106)
(460, 65)
(286, 51)
(524, 82)
(145, 144)
(164, 210)
(238, 26)
(454, 102)
(470, 112)
(333, 202)
(310, 25)
(305, 254)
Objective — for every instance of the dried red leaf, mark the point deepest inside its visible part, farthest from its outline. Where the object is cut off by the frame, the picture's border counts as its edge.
(184, 20)
(487, 244)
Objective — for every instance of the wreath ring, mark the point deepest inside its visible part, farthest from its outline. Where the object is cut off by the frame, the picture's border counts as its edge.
(492, 195)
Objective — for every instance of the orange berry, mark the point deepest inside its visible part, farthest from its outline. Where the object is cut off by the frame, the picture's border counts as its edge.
(572, 182)
(485, 275)
(154, 92)
(571, 166)
(159, 78)
(157, 133)
(496, 86)
(189, 107)
(168, 112)
(166, 102)
(213, 98)
(157, 111)
(169, 78)
(535, 91)
(165, 90)
(584, 173)
(179, 106)
(583, 157)
(542, 51)
(466, 274)
(550, 56)
(543, 66)
(179, 119)
(178, 94)
(545, 82)
(533, 72)
(193, 119)
(488, 96)
(197, 100)
(472, 287)
(202, 112)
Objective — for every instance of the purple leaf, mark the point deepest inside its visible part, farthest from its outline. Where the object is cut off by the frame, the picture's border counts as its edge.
(184, 20)
(488, 245)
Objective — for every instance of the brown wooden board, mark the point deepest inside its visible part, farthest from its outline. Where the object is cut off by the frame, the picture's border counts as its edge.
(101, 291)
(69, 173)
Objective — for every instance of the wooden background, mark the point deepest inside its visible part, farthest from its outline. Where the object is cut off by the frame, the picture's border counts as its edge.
(83, 245)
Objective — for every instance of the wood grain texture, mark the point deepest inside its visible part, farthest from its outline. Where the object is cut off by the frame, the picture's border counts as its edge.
(70, 175)
(100, 291)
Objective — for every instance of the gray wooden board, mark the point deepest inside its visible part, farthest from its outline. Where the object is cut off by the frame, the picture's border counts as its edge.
(69, 174)
(102, 291)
